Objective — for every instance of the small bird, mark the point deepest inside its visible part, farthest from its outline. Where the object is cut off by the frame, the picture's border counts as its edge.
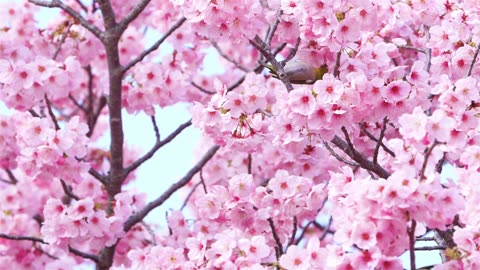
(299, 72)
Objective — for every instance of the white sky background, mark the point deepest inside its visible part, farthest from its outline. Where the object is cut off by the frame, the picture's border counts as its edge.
(172, 161)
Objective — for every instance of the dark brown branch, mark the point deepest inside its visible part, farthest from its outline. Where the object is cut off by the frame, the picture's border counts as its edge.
(411, 237)
(257, 70)
(273, 29)
(68, 190)
(202, 181)
(264, 49)
(137, 217)
(76, 103)
(337, 64)
(431, 248)
(59, 4)
(235, 63)
(190, 195)
(101, 104)
(154, 46)
(50, 113)
(82, 6)
(379, 142)
(108, 16)
(360, 158)
(429, 151)
(22, 238)
(294, 232)
(470, 69)
(292, 52)
(11, 176)
(133, 14)
(150, 231)
(83, 254)
(327, 229)
(339, 158)
(202, 89)
(249, 164)
(97, 175)
(279, 249)
(155, 128)
(157, 146)
(62, 40)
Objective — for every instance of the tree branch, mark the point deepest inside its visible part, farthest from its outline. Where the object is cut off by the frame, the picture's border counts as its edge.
(83, 254)
(137, 217)
(279, 248)
(59, 4)
(157, 146)
(411, 237)
(154, 46)
(133, 14)
(360, 158)
(22, 238)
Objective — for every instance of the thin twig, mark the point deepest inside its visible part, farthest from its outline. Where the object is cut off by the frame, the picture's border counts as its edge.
(294, 232)
(79, 2)
(337, 64)
(155, 128)
(76, 103)
(202, 181)
(133, 14)
(470, 69)
(228, 58)
(157, 146)
(140, 215)
(62, 40)
(154, 46)
(293, 51)
(83, 254)
(68, 190)
(22, 238)
(273, 28)
(202, 89)
(98, 176)
(190, 195)
(279, 249)
(150, 231)
(425, 160)
(339, 158)
(371, 137)
(50, 112)
(431, 248)
(327, 229)
(303, 232)
(11, 176)
(379, 141)
(249, 164)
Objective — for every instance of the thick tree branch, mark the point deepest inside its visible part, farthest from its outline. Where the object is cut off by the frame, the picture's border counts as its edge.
(154, 46)
(59, 4)
(139, 216)
(157, 146)
(108, 15)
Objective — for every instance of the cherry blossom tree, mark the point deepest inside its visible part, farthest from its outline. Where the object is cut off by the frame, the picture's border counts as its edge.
(340, 172)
